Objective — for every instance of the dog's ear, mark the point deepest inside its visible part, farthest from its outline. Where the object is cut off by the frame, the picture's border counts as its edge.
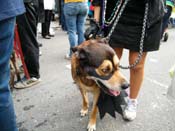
(82, 53)
(74, 49)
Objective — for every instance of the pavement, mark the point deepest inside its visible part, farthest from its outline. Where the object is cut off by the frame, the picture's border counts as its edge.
(54, 104)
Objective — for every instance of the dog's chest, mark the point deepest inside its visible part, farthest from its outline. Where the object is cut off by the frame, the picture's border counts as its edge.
(86, 84)
(89, 88)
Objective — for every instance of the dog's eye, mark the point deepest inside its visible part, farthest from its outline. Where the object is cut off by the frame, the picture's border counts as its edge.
(106, 70)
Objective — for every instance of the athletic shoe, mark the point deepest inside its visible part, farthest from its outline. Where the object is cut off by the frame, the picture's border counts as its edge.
(27, 83)
(130, 110)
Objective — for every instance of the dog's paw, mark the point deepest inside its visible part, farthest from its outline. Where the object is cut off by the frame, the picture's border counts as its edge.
(91, 127)
(83, 112)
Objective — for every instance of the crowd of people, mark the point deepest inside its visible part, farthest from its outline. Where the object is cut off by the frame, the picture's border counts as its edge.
(26, 14)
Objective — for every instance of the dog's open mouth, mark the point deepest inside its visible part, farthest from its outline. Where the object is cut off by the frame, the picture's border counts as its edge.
(115, 93)
(107, 90)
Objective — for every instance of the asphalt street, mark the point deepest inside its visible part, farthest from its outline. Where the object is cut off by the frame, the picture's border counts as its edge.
(55, 103)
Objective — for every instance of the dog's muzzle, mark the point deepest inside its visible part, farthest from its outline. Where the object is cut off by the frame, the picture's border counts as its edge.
(102, 82)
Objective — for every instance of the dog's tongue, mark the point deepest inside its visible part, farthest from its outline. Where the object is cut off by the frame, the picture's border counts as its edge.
(115, 93)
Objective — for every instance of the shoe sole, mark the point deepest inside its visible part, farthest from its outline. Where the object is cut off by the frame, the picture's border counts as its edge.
(25, 85)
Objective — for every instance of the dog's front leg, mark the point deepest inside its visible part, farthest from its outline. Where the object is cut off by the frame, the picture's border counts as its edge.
(84, 110)
(93, 117)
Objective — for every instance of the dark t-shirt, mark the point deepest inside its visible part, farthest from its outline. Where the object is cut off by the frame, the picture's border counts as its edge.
(11, 8)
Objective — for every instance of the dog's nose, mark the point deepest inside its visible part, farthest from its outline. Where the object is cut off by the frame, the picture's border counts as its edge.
(125, 85)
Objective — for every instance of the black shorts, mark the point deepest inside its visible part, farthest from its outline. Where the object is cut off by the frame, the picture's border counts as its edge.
(127, 33)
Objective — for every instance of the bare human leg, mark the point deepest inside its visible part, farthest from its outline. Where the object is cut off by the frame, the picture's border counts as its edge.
(136, 74)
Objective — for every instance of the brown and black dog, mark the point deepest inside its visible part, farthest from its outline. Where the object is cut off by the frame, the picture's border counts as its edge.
(92, 61)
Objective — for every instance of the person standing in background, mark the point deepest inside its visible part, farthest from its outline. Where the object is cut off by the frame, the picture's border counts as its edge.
(49, 6)
(41, 13)
(62, 17)
(9, 9)
(27, 29)
(169, 9)
(91, 9)
(75, 12)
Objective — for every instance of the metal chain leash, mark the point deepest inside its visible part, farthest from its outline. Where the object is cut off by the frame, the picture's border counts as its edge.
(142, 34)
(113, 15)
(117, 19)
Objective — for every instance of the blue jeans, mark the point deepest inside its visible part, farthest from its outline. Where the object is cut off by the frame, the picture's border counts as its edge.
(166, 19)
(62, 17)
(75, 16)
(7, 115)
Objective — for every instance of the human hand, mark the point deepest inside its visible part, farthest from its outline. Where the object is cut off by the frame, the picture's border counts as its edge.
(92, 31)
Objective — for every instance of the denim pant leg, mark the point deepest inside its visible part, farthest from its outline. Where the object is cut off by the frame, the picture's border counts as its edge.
(81, 19)
(71, 18)
(166, 19)
(7, 115)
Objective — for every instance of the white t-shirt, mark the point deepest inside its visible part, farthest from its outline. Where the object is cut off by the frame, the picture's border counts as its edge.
(49, 4)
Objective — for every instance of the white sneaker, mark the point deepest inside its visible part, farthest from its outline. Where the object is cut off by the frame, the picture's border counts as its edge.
(130, 110)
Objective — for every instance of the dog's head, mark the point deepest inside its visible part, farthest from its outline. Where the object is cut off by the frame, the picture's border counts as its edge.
(100, 62)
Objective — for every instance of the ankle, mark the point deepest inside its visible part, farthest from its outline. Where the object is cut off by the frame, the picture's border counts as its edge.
(130, 100)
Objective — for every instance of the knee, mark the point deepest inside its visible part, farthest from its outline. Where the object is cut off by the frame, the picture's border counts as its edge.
(138, 68)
